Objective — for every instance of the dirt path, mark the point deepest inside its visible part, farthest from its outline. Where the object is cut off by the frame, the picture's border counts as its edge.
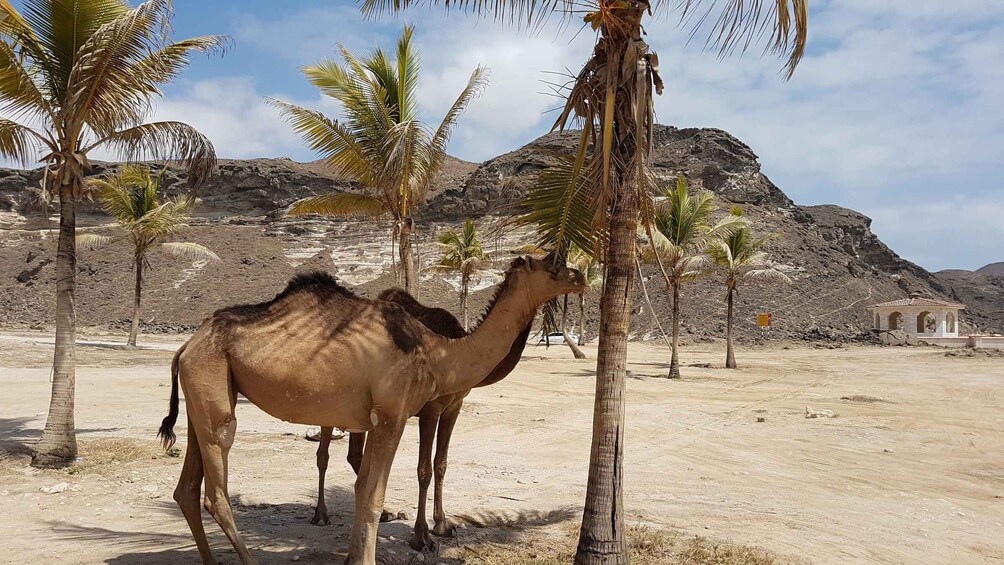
(911, 470)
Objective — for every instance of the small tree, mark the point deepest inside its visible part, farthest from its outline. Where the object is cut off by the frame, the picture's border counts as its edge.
(462, 252)
(682, 232)
(133, 198)
(739, 255)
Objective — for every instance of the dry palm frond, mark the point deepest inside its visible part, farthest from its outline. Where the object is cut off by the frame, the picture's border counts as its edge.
(92, 241)
(192, 251)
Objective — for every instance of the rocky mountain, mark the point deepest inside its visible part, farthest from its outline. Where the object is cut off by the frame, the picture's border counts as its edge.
(982, 291)
(838, 266)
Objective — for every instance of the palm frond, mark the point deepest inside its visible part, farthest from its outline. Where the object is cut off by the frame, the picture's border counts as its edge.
(765, 276)
(337, 145)
(192, 251)
(339, 204)
(20, 143)
(516, 12)
(740, 24)
(102, 89)
(168, 141)
(19, 91)
(92, 241)
(476, 85)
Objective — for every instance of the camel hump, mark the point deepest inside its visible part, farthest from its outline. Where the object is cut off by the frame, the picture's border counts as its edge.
(438, 320)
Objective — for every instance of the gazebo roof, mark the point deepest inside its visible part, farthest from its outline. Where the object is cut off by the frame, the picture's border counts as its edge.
(916, 300)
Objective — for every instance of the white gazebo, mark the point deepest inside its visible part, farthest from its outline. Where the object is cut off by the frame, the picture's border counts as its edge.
(918, 317)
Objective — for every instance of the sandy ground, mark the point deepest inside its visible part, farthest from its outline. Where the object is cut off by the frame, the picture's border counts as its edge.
(915, 478)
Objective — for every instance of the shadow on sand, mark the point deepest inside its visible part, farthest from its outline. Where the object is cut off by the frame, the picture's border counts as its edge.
(280, 533)
(17, 438)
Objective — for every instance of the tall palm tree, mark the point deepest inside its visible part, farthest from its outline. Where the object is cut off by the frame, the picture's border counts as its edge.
(683, 231)
(381, 144)
(84, 73)
(133, 198)
(462, 252)
(740, 256)
(612, 98)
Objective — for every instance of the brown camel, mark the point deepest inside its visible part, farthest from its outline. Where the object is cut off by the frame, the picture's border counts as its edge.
(436, 421)
(317, 354)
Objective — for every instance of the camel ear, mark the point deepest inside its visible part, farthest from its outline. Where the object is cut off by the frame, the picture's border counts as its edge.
(517, 263)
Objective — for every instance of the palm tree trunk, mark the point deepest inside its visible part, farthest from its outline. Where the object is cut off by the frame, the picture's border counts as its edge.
(582, 319)
(730, 356)
(58, 446)
(135, 304)
(576, 352)
(404, 247)
(601, 538)
(464, 282)
(674, 363)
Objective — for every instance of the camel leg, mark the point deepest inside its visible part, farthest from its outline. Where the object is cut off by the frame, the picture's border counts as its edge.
(443, 528)
(321, 510)
(357, 440)
(211, 413)
(422, 541)
(187, 494)
(370, 490)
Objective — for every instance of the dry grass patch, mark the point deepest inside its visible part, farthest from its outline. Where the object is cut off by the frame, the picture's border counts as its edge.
(648, 547)
(14, 458)
(103, 455)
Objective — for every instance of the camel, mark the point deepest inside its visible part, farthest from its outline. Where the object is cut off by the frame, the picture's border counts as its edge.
(317, 354)
(436, 421)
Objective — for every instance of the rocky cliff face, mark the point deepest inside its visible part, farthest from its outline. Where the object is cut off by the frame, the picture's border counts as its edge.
(709, 158)
(837, 264)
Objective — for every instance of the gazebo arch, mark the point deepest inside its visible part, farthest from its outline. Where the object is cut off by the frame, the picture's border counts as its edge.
(950, 323)
(926, 323)
(895, 321)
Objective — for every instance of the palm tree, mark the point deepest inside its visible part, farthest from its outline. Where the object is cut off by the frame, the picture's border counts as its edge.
(612, 97)
(683, 231)
(85, 73)
(132, 197)
(381, 144)
(739, 255)
(462, 252)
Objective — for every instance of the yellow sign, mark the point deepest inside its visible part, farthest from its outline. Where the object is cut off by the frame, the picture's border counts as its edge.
(763, 320)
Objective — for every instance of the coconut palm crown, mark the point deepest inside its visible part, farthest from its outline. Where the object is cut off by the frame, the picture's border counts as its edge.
(380, 143)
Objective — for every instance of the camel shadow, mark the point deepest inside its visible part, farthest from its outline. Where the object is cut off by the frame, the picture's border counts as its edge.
(282, 533)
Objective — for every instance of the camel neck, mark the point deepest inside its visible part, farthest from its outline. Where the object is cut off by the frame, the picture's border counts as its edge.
(462, 364)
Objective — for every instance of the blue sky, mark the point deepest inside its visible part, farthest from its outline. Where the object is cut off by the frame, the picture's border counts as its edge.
(896, 111)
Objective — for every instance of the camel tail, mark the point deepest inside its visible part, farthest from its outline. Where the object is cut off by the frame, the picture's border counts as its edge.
(166, 433)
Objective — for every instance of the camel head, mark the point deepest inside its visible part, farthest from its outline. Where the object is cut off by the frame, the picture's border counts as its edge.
(543, 280)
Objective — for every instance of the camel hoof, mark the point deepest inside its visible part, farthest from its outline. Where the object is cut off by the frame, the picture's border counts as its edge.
(423, 542)
(386, 516)
(444, 530)
(320, 517)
